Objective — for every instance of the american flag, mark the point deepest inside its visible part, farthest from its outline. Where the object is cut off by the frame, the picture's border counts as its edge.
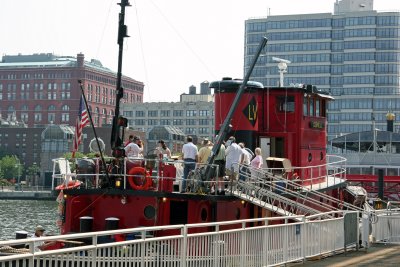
(81, 121)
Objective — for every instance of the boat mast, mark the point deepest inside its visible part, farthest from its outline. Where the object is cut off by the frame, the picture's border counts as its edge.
(119, 122)
(225, 126)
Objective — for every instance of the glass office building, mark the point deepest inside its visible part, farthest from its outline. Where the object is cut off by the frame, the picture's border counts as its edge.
(354, 54)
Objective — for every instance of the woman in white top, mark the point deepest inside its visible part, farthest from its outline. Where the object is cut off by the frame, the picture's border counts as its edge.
(256, 163)
(162, 150)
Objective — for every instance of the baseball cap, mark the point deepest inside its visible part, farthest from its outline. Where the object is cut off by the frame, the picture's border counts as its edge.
(40, 228)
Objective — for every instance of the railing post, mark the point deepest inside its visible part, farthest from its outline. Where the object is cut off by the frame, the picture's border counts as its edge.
(242, 244)
(285, 241)
(142, 248)
(319, 234)
(94, 255)
(184, 233)
(32, 251)
(303, 235)
(266, 250)
(216, 247)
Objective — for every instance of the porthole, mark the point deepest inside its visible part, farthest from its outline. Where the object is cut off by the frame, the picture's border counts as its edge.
(149, 212)
(309, 157)
(203, 215)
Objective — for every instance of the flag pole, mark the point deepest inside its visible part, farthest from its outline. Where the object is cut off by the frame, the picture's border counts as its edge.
(94, 132)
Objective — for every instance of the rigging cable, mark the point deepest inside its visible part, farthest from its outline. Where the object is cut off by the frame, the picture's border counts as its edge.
(104, 28)
(184, 41)
(142, 51)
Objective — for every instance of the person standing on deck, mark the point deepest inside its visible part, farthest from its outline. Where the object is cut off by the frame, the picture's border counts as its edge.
(244, 161)
(256, 164)
(233, 153)
(163, 151)
(205, 151)
(189, 151)
(130, 140)
(135, 148)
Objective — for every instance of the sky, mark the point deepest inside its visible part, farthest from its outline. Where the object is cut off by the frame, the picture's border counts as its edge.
(174, 43)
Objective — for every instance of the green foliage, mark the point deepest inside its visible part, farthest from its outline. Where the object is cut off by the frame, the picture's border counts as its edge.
(10, 167)
(33, 170)
(79, 155)
(4, 182)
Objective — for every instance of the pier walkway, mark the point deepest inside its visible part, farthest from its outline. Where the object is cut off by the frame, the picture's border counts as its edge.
(377, 255)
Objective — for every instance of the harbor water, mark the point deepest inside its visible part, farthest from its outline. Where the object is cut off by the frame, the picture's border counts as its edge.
(16, 215)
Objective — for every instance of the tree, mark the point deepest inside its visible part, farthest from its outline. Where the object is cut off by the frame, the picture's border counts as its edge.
(33, 170)
(10, 167)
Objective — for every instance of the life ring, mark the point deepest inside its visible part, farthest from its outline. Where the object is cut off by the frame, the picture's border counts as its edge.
(70, 185)
(139, 171)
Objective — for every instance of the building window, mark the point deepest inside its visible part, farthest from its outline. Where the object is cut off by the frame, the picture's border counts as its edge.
(152, 122)
(38, 117)
(164, 113)
(190, 130)
(165, 122)
(24, 117)
(204, 113)
(191, 113)
(177, 122)
(203, 130)
(204, 122)
(139, 113)
(139, 122)
(178, 113)
(152, 113)
(65, 117)
(190, 122)
(51, 117)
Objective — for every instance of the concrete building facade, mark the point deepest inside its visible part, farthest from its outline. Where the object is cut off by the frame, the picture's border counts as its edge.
(193, 115)
(354, 54)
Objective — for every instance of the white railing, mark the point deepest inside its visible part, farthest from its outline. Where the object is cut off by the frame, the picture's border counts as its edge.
(386, 226)
(158, 170)
(252, 242)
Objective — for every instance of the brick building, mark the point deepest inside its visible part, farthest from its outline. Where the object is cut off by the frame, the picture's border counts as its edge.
(43, 89)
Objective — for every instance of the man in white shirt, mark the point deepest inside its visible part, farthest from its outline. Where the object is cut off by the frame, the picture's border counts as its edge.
(233, 154)
(40, 245)
(135, 148)
(189, 151)
(244, 160)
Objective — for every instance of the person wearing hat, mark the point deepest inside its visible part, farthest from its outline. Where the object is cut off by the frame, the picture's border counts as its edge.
(135, 148)
(41, 245)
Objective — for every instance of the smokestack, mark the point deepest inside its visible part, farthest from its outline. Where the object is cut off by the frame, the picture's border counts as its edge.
(390, 121)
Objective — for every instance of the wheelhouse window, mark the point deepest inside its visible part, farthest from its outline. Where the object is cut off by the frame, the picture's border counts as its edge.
(285, 103)
(317, 108)
(312, 107)
(323, 108)
(305, 106)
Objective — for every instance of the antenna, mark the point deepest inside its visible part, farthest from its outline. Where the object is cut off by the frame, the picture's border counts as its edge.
(282, 66)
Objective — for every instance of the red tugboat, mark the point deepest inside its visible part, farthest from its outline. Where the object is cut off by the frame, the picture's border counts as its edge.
(288, 123)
